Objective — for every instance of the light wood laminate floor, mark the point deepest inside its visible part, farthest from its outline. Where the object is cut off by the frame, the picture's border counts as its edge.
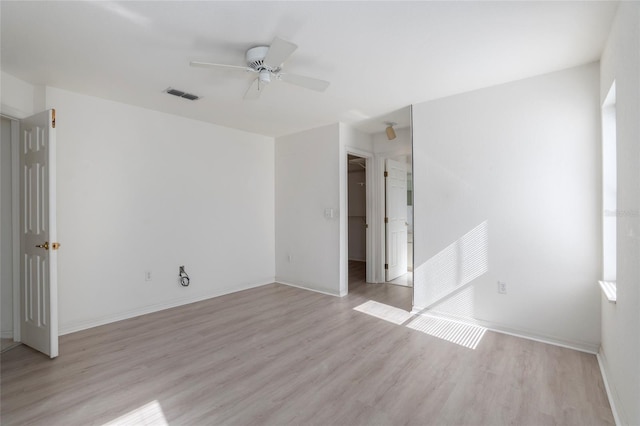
(278, 355)
(6, 344)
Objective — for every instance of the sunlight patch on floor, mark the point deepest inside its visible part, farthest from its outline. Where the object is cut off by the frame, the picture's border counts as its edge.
(148, 415)
(467, 335)
(385, 312)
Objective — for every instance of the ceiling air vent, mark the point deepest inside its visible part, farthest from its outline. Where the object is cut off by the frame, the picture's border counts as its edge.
(181, 94)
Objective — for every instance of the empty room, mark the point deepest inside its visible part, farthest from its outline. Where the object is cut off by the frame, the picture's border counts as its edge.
(320, 213)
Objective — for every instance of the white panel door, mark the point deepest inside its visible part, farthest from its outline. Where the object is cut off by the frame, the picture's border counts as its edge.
(38, 294)
(396, 219)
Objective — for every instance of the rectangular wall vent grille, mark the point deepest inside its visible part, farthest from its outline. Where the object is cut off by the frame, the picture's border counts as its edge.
(181, 94)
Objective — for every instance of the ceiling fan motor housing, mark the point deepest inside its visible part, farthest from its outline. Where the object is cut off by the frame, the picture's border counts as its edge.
(255, 57)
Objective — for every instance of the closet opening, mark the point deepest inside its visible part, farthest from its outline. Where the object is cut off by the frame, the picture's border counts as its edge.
(357, 227)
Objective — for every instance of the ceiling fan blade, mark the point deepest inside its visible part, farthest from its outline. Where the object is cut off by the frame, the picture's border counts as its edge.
(255, 90)
(306, 82)
(219, 66)
(279, 51)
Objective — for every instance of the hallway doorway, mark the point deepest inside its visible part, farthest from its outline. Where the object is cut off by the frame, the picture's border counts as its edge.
(357, 216)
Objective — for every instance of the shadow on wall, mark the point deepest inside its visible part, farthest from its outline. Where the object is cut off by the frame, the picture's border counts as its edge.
(448, 275)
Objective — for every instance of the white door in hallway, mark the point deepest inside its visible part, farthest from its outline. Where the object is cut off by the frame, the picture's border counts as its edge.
(396, 219)
(38, 244)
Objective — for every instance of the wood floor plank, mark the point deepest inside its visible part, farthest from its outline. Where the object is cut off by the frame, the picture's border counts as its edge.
(278, 355)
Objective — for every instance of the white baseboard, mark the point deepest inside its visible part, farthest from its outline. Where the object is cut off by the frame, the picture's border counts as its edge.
(6, 334)
(602, 362)
(308, 288)
(95, 322)
(416, 310)
(591, 348)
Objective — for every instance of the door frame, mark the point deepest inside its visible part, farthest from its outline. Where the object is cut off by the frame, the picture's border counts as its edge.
(15, 185)
(372, 219)
(15, 222)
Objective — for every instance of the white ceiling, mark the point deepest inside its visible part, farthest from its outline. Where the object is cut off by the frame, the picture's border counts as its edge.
(379, 56)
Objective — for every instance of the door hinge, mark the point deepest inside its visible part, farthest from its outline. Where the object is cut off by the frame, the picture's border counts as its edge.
(386, 174)
(386, 220)
(386, 266)
(53, 118)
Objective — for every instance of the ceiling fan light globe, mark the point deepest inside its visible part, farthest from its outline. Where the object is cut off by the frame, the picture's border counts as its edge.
(265, 77)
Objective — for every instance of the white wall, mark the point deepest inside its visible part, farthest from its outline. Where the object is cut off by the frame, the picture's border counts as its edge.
(400, 146)
(620, 351)
(307, 183)
(140, 190)
(6, 235)
(18, 97)
(507, 188)
(355, 140)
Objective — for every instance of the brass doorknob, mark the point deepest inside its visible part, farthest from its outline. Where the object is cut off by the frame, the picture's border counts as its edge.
(44, 246)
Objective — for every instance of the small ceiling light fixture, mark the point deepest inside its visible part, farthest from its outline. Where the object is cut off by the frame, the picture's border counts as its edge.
(391, 134)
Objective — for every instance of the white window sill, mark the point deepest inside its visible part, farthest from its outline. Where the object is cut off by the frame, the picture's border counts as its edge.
(609, 290)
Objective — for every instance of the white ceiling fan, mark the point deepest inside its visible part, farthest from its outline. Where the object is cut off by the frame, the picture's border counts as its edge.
(267, 62)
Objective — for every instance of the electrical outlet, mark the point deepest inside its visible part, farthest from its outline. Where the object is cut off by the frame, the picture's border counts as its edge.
(502, 287)
(147, 275)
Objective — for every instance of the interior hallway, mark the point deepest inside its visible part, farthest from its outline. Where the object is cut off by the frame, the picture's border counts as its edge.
(394, 295)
